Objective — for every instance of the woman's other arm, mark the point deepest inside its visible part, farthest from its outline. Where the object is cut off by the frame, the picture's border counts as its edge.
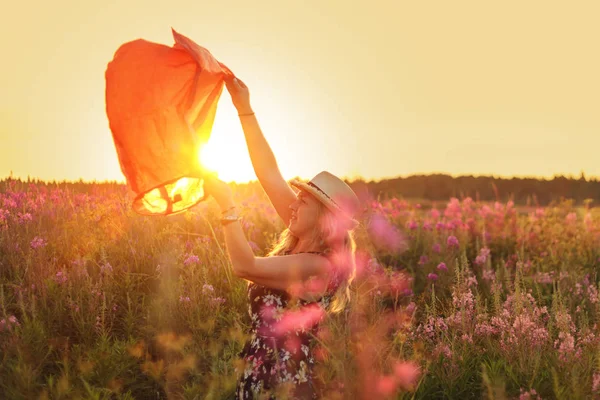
(302, 275)
(262, 157)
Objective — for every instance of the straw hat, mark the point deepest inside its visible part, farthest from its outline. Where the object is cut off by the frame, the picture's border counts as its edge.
(334, 193)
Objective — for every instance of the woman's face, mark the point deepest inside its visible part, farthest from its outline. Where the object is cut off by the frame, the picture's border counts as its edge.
(305, 213)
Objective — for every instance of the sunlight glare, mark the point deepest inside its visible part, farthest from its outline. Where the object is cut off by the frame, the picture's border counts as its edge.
(226, 152)
(208, 156)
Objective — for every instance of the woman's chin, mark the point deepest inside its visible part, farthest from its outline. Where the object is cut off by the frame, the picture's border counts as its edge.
(292, 227)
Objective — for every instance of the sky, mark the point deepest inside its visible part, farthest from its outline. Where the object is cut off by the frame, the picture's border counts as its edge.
(371, 89)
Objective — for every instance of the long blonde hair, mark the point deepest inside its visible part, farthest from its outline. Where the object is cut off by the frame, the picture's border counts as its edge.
(343, 252)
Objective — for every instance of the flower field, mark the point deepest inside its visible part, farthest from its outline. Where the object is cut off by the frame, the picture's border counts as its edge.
(455, 299)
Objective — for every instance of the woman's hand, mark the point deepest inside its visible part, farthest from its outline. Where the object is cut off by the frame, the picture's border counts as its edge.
(240, 95)
(218, 189)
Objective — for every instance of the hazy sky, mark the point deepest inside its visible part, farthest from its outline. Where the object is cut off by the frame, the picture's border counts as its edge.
(370, 88)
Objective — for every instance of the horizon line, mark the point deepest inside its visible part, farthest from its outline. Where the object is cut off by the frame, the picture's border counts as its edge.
(352, 178)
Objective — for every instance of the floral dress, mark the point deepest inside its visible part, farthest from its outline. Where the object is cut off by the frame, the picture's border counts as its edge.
(274, 359)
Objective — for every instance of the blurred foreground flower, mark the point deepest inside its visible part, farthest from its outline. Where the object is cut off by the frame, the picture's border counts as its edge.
(303, 320)
(386, 236)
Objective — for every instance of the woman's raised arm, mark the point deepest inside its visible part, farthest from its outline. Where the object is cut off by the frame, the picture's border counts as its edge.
(262, 157)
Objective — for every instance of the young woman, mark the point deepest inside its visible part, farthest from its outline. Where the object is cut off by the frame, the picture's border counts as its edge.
(304, 276)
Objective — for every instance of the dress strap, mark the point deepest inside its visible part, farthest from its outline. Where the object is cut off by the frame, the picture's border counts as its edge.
(302, 252)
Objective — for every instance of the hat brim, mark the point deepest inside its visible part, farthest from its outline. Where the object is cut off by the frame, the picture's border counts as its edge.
(326, 201)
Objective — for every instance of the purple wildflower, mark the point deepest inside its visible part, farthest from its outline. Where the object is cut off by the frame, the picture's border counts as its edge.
(38, 242)
(191, 259)
(184, 299)
(215, 301)
(452, 241)
(60, 278)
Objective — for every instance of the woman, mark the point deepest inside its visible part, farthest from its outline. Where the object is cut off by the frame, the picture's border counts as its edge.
(304, 276)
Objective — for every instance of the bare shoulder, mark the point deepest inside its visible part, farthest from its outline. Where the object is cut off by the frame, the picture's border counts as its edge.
(311, 261)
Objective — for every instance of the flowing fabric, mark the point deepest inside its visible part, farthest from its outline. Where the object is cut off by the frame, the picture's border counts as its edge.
(161, 103)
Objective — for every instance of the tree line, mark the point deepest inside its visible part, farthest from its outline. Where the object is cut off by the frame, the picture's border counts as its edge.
(523, 191)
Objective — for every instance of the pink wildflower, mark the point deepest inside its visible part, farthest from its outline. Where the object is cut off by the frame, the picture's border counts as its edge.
(432, 277)
(544, 277)
(442, 267)
(485, 211)
(482, 257)
(37, 242)
(184, 299)
(4, 215)
(484, 329)
(467, 338)
(7, 325)
(452, 241)
(10, 203)
(529, 395)
(60, 277)
(215, 301)
(25, 217)
(592, 294)
(191, 259)
(596, 382)
(398, 282)
(443, 350)
(489, 275)
(566, 347)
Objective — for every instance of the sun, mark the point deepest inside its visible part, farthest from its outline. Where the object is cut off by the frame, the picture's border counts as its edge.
(208, 156)
(226, 152)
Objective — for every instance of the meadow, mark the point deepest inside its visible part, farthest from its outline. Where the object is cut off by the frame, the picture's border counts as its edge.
(456, 299)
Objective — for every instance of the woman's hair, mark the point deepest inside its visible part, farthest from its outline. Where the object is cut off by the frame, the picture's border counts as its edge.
(342, 247)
